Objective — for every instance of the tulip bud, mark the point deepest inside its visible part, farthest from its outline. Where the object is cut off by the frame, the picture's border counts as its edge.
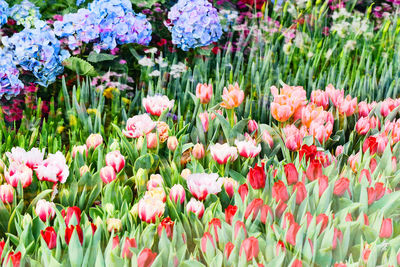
(70, 230)
(240, 225)
(198, 151)
(301, 192)
(26, 220)
(155, 181)
(230, 185)
(228, 249)
(107, 174)
(166, 224)
(252, 126)
(151, 208)
(250, 247)
(266, 137)
(205, 122)
(129, 243)
(185, 173)
(204, 92)
(114, 224)
(135, 210)
(93, 141)
(50, 237)
(45, 209)
(146, 258)
(177, 193)
(84, 169)
(279, 192)
(79, 149)
(254, 208)
(297, 263)
(291, 173)
(230, 211)
(115, 160)
(172, 143)
(341, 186)
(386, 228)
(151, 140)
(204, 240)
(243, 191)
(139, 143)
(339, 151)
(256, 177)
(292, 233)
(195, 206)
(323, 184)
(6, 193)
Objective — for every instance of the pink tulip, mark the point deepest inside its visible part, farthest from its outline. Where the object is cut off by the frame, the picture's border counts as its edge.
(204, 240)
(339, 150)
(204, 118)
(204, 92)
(93, 141)
(335, 95)
(54, 169)
(151, 140)
(365, 173)
(385, 107)
(6, 193)
(266, 137)
(341, 186)
(129, 243)
(386, 228)
(321, 131)
(18, 173)
(348, 106)
(252, 126)
(381, 141)
(155, 181)
(279, 192)
(232, 97)
(202, 184)
(115, 160)
(195, 206)
(320, 98)
(198, 151)
(221, 153)
(250, 247)
(45, 210)
(138, 126)
(291, 234)
(323, 184)
(248, 148)
(230, 186)
(155, 105)
(293, 137)
(79, 149)
(364, 109)
(107, 174)
(177, 193)
(172, 143)
(301, 192)
(150, 208)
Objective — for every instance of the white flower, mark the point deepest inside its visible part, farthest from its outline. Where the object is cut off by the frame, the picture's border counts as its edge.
(160, 62)
(146, 62)
(154, 73)
(177, 70)
(350, 45)
(151, 50)
(202, 184)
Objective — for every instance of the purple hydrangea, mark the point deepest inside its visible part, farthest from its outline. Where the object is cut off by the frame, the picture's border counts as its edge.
(106, 24)
(10, 85)
(37, 50)
(194, 23)
(4, 11)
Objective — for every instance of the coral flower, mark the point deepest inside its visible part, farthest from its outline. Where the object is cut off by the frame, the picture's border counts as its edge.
(232, 97)
(281, 109)
(204, 92)
(138, 126)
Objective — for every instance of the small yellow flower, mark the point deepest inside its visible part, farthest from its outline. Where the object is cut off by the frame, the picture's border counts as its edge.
(60, 129)
(108, 93)
(126, 100)
(72, 120)
(91, 111)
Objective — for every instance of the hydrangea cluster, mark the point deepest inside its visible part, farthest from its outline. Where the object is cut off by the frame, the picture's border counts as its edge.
(194, 23)
(37, 50)
(228, 18)
(25, 13)
(106, 23)
(10, 85)
(3, 12)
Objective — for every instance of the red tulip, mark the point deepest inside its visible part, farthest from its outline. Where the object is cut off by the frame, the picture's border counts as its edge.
(297, 263)
(15, 258)
(280, 209)
(314, 170)
(386, 228)
(207, 236)
(230, 211)
(257, 177)
(323, 219)
(146, 258)
(254, 208)
(365, 254)
(373, 164)
(308, 151)
(367, 174)
(215, 223)
(115, 242)
(349, 218)
(69, 231)
(243, 191)
(49, 236)
(250, 247)
(168, 225)
(280, 246)
(371, 195)
(70, 212)
(240, 225)
(379, 190)
(301, 192)
(309, 218)
(279, 192)
(228, 249)
(2, 245)
(288, 220)
(292, 233)
(341, 186)
(129, 243)
(291, 173)
(94, 228)
(340, 265)
(265, 210)
(323, 184)
(371, 144)
(337, 235)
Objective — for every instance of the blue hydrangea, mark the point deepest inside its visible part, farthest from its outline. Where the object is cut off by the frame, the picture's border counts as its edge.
(194, 23)
(25, 13)
(79, 2)
(37, 50)
(4, 11)
(227, 18)
(106, 24)
(10, 85)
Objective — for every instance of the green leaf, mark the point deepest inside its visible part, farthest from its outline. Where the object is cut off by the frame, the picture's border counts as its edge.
(80, 66)
(99, 57)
